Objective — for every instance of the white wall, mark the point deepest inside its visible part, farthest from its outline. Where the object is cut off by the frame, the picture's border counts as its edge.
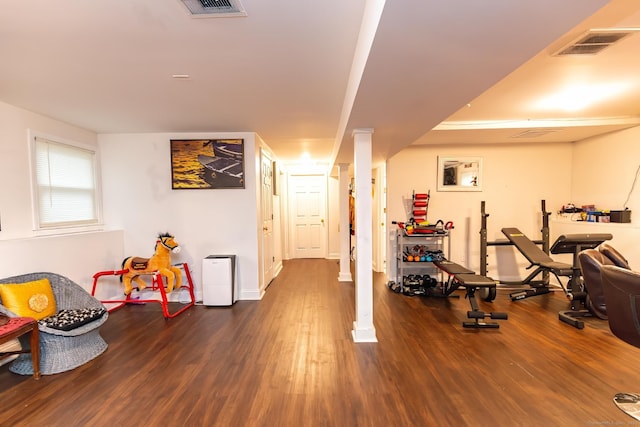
(604, 169)
(15, 180)
(515, 180)
(139, 200)
(22, 250)
(603, 174)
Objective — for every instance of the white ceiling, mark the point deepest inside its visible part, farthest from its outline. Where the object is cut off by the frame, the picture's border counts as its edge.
(294, 72)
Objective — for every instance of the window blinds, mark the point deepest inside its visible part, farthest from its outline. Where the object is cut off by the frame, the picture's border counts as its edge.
(66, 185)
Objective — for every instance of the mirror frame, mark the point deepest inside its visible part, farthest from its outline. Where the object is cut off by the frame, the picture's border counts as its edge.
(444, 160)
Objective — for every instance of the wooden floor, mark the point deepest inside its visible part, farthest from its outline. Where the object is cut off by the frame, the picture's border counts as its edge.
(289, 360)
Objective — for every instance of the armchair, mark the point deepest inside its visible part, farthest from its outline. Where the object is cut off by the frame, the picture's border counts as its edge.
(590, 293)
(591, 263)
(61, 350)
(616, 257)
(622, 293)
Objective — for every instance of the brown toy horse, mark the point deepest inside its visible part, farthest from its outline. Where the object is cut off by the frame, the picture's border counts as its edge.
(160, 263)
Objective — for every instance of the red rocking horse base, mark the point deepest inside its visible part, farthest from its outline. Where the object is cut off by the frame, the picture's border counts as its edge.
(157, 284)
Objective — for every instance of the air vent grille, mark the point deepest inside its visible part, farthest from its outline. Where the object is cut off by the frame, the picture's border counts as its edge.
(534, 133)
(593, 42)
(214, 8)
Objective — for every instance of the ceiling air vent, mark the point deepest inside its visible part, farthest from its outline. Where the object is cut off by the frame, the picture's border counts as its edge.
(214, 8)
(534, 133)
(593, 42)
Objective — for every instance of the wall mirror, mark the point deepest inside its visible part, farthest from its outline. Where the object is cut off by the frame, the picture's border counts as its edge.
(456, 173)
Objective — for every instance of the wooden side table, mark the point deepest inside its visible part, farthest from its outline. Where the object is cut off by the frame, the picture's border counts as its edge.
(16, 327)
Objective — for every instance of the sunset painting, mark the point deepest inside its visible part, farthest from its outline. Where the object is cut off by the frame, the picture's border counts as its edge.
(207, 163)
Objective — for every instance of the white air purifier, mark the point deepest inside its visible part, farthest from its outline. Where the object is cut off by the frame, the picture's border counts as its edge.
(219, 284)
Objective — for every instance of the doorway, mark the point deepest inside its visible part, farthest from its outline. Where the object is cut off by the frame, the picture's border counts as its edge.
(307, 216)
(266, 206)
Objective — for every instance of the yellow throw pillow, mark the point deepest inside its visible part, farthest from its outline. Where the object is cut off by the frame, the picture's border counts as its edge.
(31, 299)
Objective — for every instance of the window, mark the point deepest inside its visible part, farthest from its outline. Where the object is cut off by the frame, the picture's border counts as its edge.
(64, 184)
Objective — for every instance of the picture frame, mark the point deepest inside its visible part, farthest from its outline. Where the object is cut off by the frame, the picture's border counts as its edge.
(207, 163)
(459, 173)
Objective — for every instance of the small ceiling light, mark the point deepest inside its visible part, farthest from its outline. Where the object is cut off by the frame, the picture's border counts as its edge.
(180, 76)
(306, 160)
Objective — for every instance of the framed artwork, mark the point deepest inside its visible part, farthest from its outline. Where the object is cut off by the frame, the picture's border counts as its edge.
(207, 163)
(456, 173)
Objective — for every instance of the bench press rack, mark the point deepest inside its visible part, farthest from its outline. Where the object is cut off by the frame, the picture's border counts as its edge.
(461, 276)
(157, 284)
(537, 287)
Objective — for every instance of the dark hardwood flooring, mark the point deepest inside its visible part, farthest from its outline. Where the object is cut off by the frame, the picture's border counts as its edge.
(289, 360)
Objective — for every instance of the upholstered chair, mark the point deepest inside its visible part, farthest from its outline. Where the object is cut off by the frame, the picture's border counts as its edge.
(63, 346)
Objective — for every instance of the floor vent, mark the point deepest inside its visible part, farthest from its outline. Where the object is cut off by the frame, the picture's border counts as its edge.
(594, 42)
(214, 8)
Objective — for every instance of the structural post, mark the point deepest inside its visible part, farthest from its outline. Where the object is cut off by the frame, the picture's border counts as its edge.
(345, 241)
(363, 329)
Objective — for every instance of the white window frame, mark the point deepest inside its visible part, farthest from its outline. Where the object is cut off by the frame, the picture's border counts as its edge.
(72, 225)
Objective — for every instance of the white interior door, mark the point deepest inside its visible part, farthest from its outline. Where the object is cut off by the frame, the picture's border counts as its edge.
(308, 205)
(267, 219)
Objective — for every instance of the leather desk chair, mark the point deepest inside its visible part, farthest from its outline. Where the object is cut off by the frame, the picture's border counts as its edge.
(616, 257)
(622, 292)
(591, 262)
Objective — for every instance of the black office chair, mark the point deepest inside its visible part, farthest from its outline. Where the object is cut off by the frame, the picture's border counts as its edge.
(616, 257)
(591, 263)
(622, 292)
(587, 299)
(621, 288)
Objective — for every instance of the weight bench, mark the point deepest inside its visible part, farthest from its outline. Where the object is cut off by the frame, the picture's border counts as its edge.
(574, 244)
(543, 263)
(461, 276)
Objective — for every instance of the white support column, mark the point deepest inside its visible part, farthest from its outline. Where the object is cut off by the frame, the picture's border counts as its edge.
(363, 329)
(345, 243)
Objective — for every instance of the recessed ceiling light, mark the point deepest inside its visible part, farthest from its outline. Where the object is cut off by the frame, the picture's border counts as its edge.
(180, 76)
(577, 97)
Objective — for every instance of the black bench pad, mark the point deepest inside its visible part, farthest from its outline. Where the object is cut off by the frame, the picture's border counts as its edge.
(475, 280)
(452, 268)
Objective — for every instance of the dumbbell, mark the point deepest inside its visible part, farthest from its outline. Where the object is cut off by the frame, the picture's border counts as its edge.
(477, 314)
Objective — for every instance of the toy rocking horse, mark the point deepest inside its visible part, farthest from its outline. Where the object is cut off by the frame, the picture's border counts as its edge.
(159, 263)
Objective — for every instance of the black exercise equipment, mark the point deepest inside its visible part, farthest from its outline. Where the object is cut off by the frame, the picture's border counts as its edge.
(570, 243)
(544, 242)
(574, 244)
(538, 259)
(537, 253)
(462, 276)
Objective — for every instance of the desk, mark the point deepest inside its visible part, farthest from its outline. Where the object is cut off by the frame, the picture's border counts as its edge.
(16, 327)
